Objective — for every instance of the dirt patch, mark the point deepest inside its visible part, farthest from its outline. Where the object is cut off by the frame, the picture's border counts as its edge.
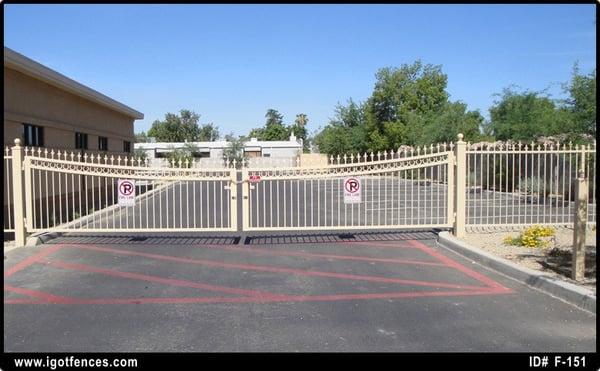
(554, 260)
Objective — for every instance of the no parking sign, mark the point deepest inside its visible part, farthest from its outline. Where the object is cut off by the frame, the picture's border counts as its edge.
(126, 189)
(352, 190)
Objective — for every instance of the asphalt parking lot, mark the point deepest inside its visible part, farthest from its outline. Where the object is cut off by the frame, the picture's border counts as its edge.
(400, 293)
(304, 203)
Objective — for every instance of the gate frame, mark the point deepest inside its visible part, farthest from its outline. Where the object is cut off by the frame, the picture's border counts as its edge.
(321, 172)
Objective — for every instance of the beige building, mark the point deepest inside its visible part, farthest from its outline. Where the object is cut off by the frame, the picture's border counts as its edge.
(45, 108)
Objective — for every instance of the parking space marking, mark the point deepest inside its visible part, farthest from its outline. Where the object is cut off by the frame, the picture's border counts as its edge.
(259, 251)
(149, 278)
(49, 298)
(274, 299)
(274, 269)
(452, 263)
(248, 296)
(31, 260)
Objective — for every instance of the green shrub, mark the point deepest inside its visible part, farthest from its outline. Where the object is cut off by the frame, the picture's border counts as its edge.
(533, 185)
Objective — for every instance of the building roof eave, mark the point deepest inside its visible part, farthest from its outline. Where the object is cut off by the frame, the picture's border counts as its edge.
(21, 63)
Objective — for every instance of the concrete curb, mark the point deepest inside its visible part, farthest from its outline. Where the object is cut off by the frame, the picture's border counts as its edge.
(566, 291)
(41, 238)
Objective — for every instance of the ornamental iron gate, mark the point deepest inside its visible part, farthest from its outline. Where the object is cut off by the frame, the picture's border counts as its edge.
(393, 190)
(461, 186)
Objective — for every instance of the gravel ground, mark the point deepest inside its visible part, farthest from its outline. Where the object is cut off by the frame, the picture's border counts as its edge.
(554, 260)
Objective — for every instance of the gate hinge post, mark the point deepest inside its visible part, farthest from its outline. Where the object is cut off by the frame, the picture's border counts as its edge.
(460, 188)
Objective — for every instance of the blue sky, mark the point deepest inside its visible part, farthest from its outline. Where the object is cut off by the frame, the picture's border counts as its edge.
(230, 63)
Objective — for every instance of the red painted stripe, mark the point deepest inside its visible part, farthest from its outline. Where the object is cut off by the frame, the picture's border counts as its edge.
(22, 301)
(31, 260)
(338, 297)
(297, 298)
(167, 281)
(263, 268)
(374, 244)
(260, 251)
(49, 298)
(469, 272)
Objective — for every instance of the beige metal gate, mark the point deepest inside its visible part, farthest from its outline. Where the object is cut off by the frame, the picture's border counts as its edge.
(399, 189)
(460, 186)
(68, 192)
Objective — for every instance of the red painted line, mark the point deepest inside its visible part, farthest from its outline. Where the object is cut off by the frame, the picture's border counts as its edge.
(167, 281)
(31, 260)
(374, 244)
(263, 268)
(339, 297)
(23, 301)
(49, 298)
(469, 272)
(297, 298)
(325, 256)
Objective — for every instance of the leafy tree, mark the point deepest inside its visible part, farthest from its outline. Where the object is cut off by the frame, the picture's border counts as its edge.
(345, 132)
(400, 96)
(582, 102)
(141, 137)
(334, 140)
(235, 148)
(182, 154)
(350, 115)
(409, 105)
(526, 116)
(208, 133)
(299, 130)
(453, 119)
(257, 133)
(176, 128)
(274, 128)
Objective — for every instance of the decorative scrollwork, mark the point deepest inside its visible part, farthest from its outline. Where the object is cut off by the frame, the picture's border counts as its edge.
(82, 168)
(375, 167)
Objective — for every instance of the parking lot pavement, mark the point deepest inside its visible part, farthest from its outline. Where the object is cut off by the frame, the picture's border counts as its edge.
(305, 203)
(156, 294)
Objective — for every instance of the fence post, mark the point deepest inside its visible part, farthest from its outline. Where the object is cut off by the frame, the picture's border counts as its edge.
(460, 174)
(579, 229)
(18, 199)
(233, 206)
(245, 200)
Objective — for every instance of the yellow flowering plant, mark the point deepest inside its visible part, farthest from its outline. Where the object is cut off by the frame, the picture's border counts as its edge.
(531, 237)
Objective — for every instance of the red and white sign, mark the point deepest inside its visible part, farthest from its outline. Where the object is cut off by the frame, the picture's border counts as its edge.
(126, 189)
(254, 178)
(352, 191)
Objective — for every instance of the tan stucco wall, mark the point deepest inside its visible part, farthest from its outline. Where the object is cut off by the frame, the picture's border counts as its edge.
(313, 160)
(27, 100)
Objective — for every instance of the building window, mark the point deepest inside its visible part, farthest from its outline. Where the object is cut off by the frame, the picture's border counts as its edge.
(103, 143)
(201, 154)
(33, 135)
(266, 155)
(161, 154)
(126, 146)
(81, 141)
